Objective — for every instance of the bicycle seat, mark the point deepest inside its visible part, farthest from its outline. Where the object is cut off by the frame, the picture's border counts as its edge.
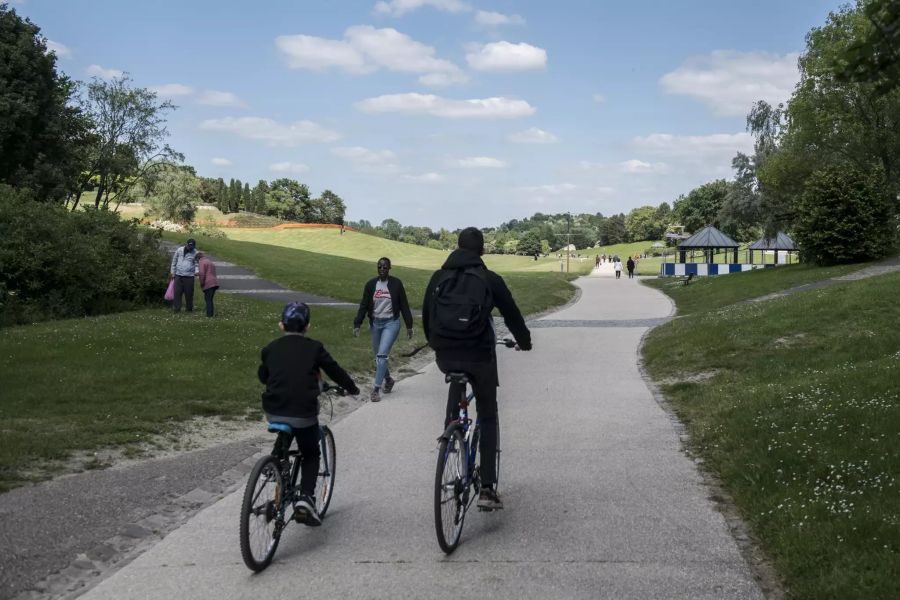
(456, 377)
(283, 427)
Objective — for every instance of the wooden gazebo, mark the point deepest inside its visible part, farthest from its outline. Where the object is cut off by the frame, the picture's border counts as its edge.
(710, 241)
(780, 243)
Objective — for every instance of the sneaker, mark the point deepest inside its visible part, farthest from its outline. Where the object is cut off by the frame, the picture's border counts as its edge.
(375, 395)
(489, 500)
(305, 512)
(388, 385)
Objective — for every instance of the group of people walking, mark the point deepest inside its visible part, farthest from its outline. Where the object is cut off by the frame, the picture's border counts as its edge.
(617, 264)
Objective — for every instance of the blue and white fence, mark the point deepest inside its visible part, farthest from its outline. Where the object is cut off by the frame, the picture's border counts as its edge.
(701, 269)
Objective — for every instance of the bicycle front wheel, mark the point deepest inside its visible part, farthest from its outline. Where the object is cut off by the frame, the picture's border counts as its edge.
(327, 466)
(449, 486)
(259, 528)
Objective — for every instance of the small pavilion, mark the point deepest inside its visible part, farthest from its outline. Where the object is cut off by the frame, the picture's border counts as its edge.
(710, 241)
(780, 243)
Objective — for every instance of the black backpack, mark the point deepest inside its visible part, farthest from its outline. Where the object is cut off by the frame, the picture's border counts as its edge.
(461, 306)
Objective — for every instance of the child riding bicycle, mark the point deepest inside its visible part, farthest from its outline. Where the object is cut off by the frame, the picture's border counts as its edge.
(290, 371)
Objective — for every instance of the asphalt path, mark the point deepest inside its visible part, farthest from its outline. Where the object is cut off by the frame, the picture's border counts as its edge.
(601, 501)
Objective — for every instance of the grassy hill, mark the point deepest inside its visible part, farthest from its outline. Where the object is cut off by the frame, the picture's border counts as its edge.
(793, 404)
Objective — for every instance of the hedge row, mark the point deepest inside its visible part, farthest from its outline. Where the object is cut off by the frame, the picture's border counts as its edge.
(58, 264)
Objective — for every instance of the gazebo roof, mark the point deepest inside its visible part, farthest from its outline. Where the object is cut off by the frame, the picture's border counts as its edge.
(780, 242)
(708, 237)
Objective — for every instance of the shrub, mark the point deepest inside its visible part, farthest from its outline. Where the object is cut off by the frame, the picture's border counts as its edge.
(844, 215)
(206, 231)
(60, 264)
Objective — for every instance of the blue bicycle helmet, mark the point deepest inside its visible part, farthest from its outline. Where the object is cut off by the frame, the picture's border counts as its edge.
(295, 316)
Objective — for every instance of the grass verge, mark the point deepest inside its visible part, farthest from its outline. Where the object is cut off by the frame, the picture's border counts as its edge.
(119, 380)
(793, 403)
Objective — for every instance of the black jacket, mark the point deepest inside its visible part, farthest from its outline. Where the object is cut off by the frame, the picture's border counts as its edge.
(399, 302)
(290, 369)
(481, 348)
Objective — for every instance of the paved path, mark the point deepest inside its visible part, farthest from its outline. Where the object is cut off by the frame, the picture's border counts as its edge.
(601, 502)
(238, 280)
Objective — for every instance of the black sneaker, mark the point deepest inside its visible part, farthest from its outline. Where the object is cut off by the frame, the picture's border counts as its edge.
(388, 385)
(489, 500)
(305, 512)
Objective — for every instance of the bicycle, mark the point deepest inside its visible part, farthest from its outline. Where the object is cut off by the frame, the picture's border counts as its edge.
(272, 489)
(457, 481)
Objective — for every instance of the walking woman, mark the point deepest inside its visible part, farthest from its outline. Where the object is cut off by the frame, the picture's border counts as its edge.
(383, 301)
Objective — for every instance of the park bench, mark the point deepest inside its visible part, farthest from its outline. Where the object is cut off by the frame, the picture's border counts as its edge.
(687, 279)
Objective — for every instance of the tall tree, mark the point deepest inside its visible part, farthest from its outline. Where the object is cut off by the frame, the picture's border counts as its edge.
(247, 198)
(42, 134)
(874, 56)
(333, 208)
(260, 192)
(701, 206)
(130, 129)
(176, 192)
(289, 200)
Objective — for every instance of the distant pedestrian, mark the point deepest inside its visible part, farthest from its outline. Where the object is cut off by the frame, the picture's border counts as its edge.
(617, 265)
(597, 262)
(209, 283)
(630, 266)
(183, 269)
(384, 302)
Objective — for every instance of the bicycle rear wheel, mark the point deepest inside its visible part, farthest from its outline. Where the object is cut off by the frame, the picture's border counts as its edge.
(259, 528)
(449, 486)
(327, 466)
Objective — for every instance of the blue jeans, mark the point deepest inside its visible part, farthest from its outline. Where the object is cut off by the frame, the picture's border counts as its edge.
(384, 334)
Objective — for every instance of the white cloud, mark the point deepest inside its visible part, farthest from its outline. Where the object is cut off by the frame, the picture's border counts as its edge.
(272, 132)
(639, 166)
(425, 178)
(398, 8)
(553, 189)
(171, 90)
(98, 71)
(695, 148)
(479, 162)
(368, 161)
(428, 104)
(288, 167)
(494, 19)
(217, 98)
(505, 56)
(221, 162)
(599, 98)
(533, 135)
(61, 50)
(366, 49)
(729, 82)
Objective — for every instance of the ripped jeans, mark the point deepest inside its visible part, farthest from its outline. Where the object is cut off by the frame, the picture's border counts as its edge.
(384, 334)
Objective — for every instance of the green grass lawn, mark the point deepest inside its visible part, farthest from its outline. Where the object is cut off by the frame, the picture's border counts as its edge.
(116, 380)
(705, 293)
(793, 403)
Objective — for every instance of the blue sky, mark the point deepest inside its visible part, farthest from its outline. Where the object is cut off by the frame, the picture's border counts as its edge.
(450, 112)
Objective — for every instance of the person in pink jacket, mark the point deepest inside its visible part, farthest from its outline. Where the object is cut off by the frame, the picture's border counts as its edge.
(208, 281)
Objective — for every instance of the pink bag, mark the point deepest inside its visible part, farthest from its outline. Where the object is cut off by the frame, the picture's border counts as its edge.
(170, 291)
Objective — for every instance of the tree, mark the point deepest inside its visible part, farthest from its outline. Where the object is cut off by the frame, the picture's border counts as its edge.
(246, 199)
(208, 190)
(221, 195)
(832, 121)
(529, 244)
(844, 215)
(43, 135)
(129, 132)
(333, 208)
(176, 194)
(391, 229)
(874, 56)
(289, 200)
(642, 224)
(701, 206)
(260, 193)
(613, 231)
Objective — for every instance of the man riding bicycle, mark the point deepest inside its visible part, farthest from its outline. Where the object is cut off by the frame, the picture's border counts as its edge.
(456, 318)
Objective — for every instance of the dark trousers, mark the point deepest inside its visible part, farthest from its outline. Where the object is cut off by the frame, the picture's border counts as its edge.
(208, 294)
(184, 285)
(483, 377)
(630, 273)
(308, 444)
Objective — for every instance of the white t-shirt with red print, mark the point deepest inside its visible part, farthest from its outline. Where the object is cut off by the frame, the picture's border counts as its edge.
(382, 308)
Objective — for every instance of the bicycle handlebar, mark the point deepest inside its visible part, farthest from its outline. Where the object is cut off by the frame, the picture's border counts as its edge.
(327, 386)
